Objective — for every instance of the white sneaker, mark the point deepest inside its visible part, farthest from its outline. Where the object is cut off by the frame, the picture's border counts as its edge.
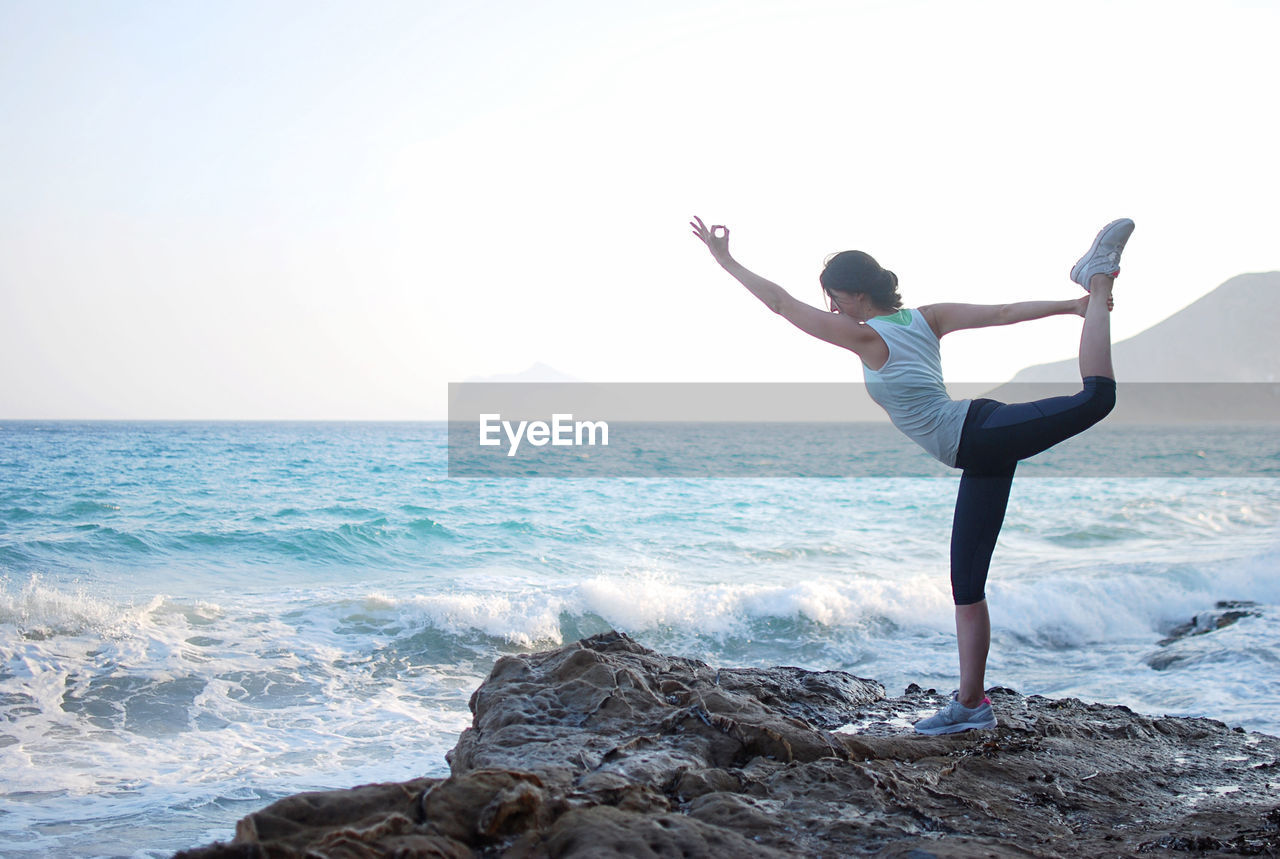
(954, 718)
(1104, 256)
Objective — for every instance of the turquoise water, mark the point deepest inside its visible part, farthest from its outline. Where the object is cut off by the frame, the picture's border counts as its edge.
(198, 618)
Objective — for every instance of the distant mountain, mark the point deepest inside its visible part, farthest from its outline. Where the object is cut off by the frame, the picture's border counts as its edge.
(1230, 335)
(538, 372)
(1215, 361)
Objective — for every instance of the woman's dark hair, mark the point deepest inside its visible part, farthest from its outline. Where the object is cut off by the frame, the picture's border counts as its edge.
(855, 271)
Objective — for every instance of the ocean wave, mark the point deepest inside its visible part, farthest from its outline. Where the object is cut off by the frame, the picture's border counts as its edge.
(40, 610)
(1052, 605)
(1061, 606)
(16, 514)
(89, 508)
(355, 544)
(428, 527)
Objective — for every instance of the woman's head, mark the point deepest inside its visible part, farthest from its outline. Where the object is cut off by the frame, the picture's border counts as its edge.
(852, 272)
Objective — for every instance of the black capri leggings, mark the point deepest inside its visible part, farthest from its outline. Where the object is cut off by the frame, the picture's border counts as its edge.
(995, 436)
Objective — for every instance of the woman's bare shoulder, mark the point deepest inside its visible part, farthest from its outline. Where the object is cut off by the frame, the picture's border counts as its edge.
(932, 316)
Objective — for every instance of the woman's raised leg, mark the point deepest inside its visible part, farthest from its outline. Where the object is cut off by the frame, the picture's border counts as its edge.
(1095, 337)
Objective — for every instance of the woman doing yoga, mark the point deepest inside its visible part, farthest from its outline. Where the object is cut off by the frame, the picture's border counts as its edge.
(902, 366)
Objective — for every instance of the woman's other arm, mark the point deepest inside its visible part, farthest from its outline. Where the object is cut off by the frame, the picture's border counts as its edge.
(945, 318)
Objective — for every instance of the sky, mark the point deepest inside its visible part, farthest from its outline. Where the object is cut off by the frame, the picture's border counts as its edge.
(311, 210)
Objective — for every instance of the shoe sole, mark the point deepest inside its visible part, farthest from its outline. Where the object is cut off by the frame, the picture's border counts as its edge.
(956, 729)
(1093, 249)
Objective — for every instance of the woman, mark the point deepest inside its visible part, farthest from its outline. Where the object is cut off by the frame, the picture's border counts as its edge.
(903, 371)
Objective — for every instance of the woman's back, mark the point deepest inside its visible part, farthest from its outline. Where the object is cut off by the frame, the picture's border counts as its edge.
(909, 386)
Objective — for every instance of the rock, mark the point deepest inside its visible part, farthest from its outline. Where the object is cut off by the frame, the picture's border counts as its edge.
(373, 820)
(1226, 613)
(1178, 651)
(605, 748)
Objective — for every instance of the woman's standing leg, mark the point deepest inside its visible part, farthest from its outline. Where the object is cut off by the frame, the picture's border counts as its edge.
(973, 635)
(980, 506)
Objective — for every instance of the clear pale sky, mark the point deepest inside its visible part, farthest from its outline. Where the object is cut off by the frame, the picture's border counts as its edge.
(331, 210)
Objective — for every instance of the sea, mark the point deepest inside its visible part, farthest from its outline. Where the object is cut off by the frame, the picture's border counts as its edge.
(199, 618)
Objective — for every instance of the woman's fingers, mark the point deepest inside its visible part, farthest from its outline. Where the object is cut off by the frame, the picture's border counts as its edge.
(717, 236)
(701, 232)
(698, 225)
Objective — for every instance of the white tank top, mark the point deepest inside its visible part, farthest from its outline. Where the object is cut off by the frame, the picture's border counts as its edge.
(909, 385)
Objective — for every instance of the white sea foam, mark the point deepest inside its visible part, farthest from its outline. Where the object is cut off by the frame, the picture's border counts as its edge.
(39, 609)
(112, 710)
(525, 620)
(648, 601)
(1060, 606)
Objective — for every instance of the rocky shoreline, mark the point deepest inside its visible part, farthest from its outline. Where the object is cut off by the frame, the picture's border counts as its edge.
(604, 748)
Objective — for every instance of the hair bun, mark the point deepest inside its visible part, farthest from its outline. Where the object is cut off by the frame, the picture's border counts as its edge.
(857, 271)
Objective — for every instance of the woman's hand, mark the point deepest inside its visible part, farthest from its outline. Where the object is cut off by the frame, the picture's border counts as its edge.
(1082, 304)
(716, 239)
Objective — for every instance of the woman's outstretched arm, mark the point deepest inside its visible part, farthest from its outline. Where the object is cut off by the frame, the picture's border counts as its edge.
(832, 327)
(945, 318)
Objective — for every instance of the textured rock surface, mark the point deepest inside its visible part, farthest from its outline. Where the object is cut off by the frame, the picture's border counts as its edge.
(604, 748)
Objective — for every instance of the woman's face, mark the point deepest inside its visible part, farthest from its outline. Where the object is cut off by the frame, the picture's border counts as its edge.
(850, 304)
